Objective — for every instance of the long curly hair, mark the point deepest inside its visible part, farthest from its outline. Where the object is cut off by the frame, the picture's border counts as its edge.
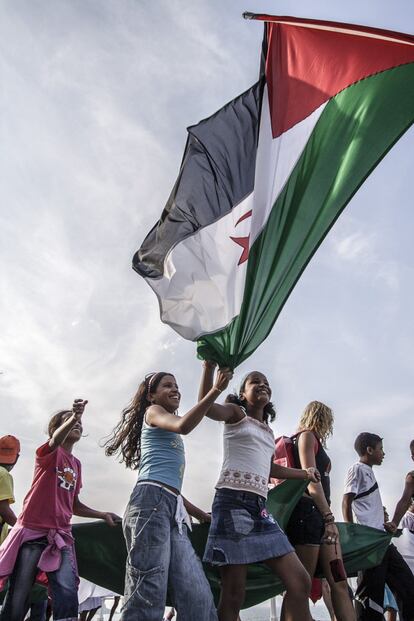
(269, 412)
(125, 439)
(319, 418)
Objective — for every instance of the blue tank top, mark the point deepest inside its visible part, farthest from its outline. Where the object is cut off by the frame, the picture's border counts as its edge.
(162, 456)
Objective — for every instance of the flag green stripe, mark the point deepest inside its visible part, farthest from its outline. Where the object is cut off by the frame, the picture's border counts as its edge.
(101, 552)
(353, 134)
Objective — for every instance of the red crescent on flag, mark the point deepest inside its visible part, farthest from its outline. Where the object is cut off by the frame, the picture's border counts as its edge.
(243, 241)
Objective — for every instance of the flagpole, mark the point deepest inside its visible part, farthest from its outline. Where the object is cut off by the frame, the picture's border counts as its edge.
(248, 15)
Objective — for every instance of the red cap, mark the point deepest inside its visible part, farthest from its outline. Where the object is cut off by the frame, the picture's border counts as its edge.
(9, 449)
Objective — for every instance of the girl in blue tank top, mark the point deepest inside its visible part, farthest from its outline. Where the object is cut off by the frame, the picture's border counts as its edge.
(160, 554)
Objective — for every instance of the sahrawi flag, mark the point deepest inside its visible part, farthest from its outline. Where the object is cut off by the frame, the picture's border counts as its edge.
(264, 179)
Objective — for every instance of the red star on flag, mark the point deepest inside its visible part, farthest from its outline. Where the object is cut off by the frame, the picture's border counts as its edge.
(244, 242)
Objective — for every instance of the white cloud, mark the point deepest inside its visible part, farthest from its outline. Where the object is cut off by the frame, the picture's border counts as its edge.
(366, 251)
(356, 247)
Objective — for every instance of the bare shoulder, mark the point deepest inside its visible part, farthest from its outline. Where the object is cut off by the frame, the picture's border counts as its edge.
(235, 413)
(153, 412)
(307, 438)
(410, 478)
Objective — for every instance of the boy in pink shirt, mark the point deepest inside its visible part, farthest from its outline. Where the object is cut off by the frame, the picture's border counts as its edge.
(41, 540)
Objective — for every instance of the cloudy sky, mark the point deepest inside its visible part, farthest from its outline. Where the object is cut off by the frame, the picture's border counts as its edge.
(96, 99)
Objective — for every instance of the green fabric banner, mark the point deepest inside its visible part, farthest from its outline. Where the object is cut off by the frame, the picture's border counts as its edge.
(101, 551)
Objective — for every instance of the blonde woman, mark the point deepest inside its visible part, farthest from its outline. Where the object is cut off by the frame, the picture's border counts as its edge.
(312, 529)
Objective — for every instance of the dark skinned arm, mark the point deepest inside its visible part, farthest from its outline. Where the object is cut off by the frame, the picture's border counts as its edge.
(347, 507)
(281, 472)
(63, 431)
(158, 417)
(195, 512)
(7, 514)
(82, 510)
(403, 504)
(228, 413)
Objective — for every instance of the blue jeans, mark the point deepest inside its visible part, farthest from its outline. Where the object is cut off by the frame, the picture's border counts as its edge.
(62, 583)
(159, 557)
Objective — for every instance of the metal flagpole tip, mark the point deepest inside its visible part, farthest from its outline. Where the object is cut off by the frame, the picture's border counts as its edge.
(248, 15)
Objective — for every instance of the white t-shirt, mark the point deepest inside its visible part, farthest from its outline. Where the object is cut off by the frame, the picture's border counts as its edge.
(368, 509)
(405, 543)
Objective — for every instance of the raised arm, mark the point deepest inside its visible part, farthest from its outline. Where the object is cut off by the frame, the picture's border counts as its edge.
(63, 431)
(157, 416)
(6, 513)
(224, 413)
(207, 378)
(403, 504)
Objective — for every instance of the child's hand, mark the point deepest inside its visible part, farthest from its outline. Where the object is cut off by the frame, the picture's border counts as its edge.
(223, 378)
(78, 408)
(390, 527)
(331, 535)
(313, 475)
(112, 519)
(209, 364)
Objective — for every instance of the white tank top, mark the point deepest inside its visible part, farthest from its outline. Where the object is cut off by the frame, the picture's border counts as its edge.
(248, 448)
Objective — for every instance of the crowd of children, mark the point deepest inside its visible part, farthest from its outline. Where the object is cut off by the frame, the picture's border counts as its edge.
(160, 557)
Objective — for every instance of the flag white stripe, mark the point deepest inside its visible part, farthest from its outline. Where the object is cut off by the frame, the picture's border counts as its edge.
(202, 287)
(275, 160)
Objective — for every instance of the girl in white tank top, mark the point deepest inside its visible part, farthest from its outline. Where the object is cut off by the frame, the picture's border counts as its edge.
(242, 531)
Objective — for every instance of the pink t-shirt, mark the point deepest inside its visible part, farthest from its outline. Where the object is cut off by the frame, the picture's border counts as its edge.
(56, 483)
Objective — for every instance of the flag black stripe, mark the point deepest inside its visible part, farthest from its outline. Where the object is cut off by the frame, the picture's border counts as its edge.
(216, 173)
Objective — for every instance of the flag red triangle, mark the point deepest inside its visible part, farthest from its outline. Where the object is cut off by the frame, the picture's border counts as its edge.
(308, 62)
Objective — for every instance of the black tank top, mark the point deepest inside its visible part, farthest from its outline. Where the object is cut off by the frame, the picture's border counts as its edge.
(322, 461)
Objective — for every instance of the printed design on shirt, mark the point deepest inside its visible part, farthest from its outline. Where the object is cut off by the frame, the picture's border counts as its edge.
(178, 443)
(239, 479)
(67, 478)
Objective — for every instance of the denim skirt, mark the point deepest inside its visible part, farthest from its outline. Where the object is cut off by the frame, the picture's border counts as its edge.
(242, 531)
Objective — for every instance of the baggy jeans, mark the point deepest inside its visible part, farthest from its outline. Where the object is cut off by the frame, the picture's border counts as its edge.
(62, 584)
(160, 558)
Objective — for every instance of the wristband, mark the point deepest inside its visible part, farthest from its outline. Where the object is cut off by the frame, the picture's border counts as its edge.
(218, 389)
